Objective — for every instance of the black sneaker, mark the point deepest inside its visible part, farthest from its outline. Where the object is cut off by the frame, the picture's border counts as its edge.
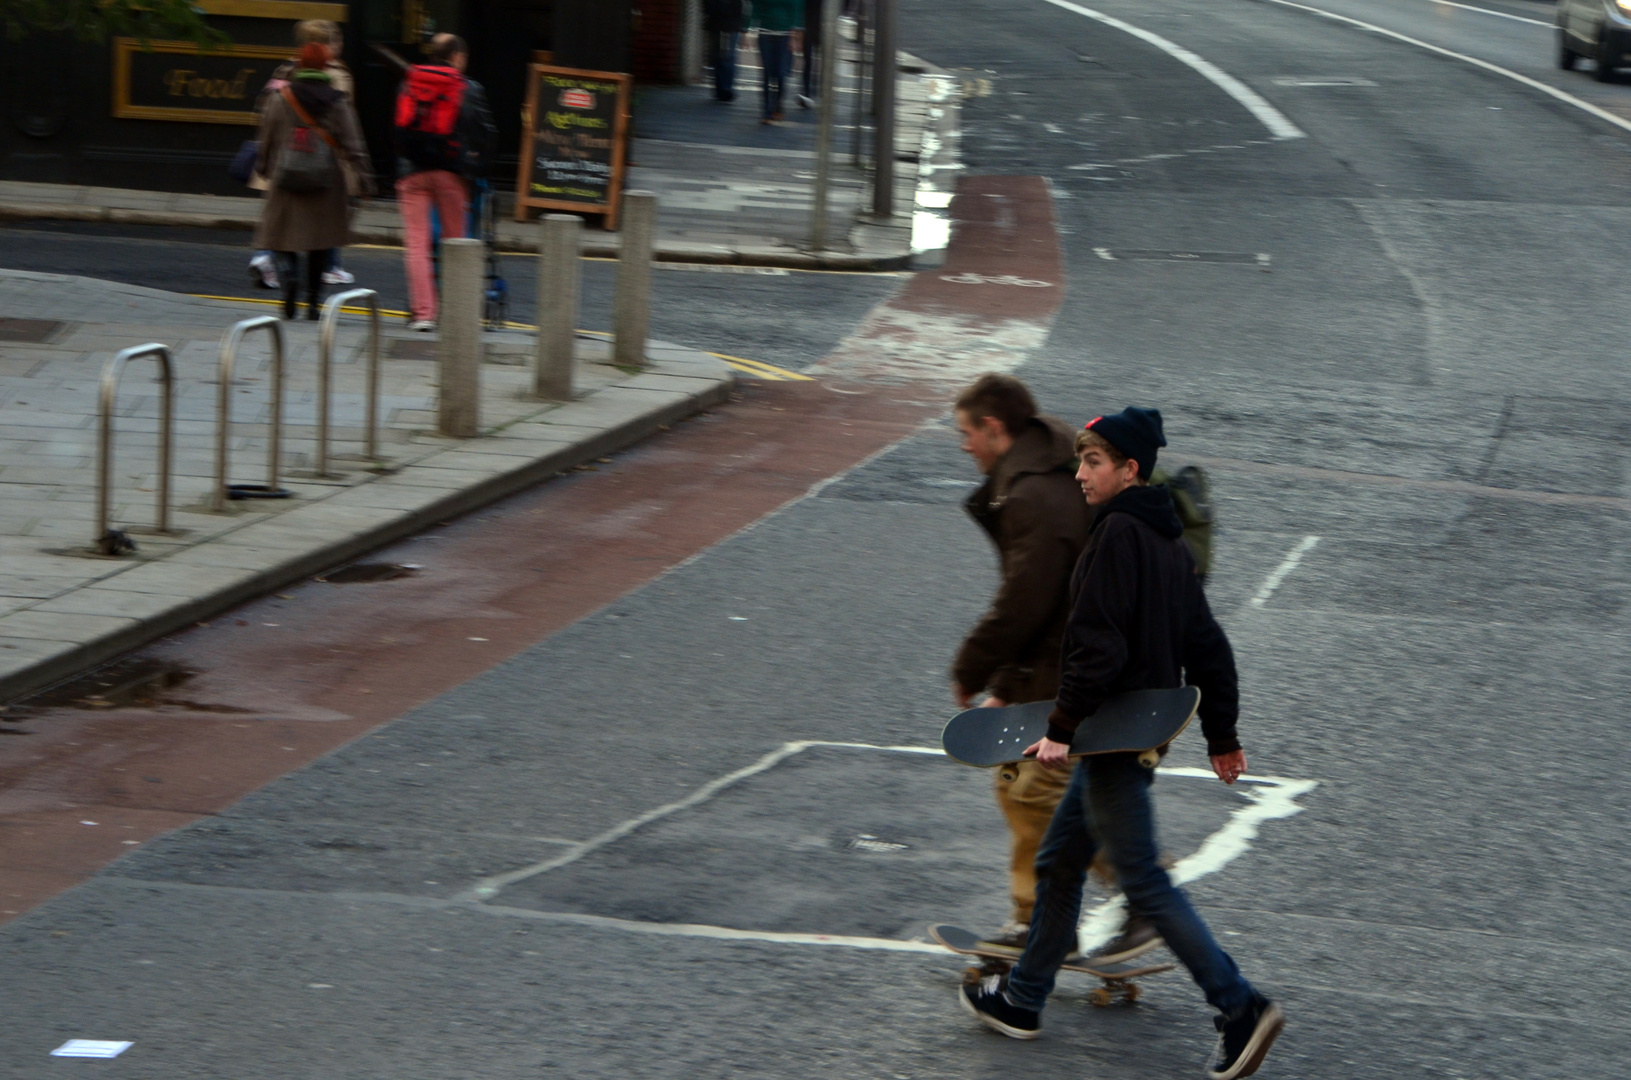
(1245, 1042)
(986, 1000)
(1137, 937)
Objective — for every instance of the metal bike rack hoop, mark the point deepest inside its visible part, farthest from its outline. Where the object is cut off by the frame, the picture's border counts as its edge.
(104, 441)
(325, 364)
(223, 414)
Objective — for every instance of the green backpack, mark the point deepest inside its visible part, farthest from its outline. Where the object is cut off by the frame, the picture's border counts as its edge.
(1193, 499)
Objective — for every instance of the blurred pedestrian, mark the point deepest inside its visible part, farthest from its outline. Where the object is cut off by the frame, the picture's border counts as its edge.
(444, 135)
(813, 58)
(313, 157)
(724, 21)
(778, 24)
(1032, 509)
(263, 265)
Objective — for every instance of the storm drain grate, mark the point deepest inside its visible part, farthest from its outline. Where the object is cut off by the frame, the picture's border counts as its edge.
(364, 572)
(28, 331)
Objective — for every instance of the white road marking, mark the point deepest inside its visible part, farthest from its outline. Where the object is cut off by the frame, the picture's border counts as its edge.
(1535, 84)
(1487, 11)
(1279, 125)
(1273, 797)
(493, 885)
(1289, 564)
(1276, 798)
(718, 933)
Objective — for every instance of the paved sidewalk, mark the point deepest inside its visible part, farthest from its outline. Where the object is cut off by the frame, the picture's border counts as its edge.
(64, 609)
(730, 189)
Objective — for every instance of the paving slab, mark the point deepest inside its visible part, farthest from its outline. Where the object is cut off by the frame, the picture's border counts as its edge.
(65, 608)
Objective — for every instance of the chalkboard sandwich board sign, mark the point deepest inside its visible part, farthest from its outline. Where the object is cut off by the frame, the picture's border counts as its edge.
(572, 148)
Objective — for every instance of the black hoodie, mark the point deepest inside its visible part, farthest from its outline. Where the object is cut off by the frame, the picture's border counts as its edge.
(1139, 621)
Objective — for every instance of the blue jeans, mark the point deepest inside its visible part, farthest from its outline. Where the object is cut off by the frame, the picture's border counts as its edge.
(776, 54)
(722, 58)
(1108, 804)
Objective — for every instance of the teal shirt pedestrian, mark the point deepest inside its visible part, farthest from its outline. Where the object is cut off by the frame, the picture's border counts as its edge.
(778, 16)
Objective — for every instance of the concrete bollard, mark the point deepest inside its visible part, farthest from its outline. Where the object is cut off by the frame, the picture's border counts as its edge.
(554, 366)
(631, 311)
(458, 350)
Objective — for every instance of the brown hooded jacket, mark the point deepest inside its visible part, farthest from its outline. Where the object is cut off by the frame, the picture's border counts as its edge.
(1033, 510)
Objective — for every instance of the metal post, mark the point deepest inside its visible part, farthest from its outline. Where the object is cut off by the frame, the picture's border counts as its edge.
(860, 82)
(325, 367)
(458, 353)
(223, 414)
(554, 364)
(631, 313)
(103, 539)
(883, 93)
(827, 47)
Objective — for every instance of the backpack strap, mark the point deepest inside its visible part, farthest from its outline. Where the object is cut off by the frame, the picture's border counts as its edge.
(305, 117)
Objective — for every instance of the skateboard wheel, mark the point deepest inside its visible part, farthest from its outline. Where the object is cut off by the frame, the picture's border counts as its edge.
(1100, 997)
(1133, 992)
(1149, 759)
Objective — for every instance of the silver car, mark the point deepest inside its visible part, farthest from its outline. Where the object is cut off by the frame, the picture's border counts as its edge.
(1598, 29)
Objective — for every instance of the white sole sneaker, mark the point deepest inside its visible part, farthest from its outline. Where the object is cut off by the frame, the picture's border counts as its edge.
(1268, 1028)
(992, 1022)
(1127, 954)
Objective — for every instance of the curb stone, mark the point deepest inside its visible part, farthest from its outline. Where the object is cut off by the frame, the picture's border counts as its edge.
(277, 552)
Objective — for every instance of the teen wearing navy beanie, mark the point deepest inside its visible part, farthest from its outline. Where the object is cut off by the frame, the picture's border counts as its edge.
(1136, 433)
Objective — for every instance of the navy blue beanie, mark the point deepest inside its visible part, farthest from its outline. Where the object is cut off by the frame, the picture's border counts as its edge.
(1135, 432)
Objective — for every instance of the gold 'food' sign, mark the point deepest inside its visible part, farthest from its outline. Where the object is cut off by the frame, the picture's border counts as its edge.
(184, 81)
(175, 80)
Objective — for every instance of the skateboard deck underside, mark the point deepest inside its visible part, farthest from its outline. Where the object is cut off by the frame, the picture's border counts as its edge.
(967, 943)
(1128, 723)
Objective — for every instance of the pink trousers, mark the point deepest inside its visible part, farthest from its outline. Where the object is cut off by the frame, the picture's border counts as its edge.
(416, 193)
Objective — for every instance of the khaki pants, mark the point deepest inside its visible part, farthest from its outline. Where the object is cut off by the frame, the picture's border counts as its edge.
(1027, 801)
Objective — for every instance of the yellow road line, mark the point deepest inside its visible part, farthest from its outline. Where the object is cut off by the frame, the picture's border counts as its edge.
(740, 363)
(271, 300)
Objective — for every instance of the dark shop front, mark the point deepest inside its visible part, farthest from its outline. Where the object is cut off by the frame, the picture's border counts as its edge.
(169, 116)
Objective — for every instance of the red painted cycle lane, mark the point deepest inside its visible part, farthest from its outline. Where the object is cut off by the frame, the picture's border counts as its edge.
(279, 682)
(986, 309)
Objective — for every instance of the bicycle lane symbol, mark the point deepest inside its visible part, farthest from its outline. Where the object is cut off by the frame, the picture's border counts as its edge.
(971, 278)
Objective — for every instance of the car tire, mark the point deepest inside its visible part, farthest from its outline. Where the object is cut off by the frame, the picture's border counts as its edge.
(1566, 57)
(1605, 56)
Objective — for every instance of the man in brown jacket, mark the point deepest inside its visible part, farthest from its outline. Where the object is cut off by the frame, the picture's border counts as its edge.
(1032, 508)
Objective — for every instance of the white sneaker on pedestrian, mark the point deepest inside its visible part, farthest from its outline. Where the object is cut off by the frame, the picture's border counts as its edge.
(263, 272)
(806, 101)
(339, 276)
(422, 326)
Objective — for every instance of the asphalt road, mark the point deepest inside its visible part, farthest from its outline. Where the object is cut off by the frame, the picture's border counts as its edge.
(1427, 373)
(776, 316)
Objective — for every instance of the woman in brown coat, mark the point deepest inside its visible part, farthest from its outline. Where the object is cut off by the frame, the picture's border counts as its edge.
(309, 213)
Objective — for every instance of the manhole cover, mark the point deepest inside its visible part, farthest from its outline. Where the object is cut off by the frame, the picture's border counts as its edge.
(28, 331)
(363, 572)
(1244, 258)
(410, 349)
(1319, 80)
